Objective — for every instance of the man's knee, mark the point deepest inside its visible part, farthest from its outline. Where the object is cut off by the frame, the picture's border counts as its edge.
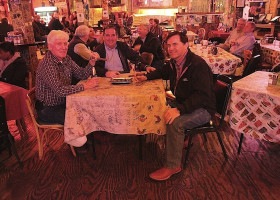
(176, 124)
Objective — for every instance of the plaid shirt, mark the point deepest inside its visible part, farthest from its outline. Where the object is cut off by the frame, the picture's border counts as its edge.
(53, 79)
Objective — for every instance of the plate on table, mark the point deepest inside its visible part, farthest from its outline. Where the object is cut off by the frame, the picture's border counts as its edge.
(116, 81)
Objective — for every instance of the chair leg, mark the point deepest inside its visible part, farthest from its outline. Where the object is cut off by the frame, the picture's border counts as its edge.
(21, 127)
(188, 150)
(205, 138)
(40, 149)
(47, 138)
(140, 146)
(240, 143)
(73, 151)
(9, 147)
(222, 144)
(41, 145)
(93, 147)
(14, 150)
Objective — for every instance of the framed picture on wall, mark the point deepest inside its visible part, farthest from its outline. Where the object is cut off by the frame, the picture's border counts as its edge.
(240, 3)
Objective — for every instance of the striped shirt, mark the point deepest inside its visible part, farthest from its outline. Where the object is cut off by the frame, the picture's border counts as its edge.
(53, 79)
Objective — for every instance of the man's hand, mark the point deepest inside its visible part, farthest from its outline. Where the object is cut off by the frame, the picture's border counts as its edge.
(170, 115)
(140, 78)
(150, 69)
(93, 58)
(91, 83)
(137, 47)
(112, 74)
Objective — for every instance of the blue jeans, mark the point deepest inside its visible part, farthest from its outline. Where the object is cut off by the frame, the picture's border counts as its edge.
(52, 114)
(175, 134)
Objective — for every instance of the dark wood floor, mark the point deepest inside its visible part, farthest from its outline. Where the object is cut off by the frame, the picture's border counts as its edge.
(119, 174)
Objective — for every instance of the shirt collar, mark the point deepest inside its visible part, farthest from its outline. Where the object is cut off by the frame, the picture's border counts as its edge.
(108, 48)
(182, 59)
(143, 40)
(56, 60)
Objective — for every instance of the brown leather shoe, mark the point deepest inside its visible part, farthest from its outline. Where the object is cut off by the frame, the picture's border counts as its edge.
(164, 173)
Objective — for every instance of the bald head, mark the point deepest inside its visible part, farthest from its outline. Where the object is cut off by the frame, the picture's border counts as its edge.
(240, 24)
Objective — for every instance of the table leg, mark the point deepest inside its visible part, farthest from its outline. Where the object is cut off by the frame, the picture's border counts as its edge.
(140, 139)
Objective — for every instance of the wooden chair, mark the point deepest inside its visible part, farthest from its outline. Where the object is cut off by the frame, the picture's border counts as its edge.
(247, 56)
(147, 57)
(222, 88)
(251, 63)
(262, 66)
(7, 140)
(42, 129)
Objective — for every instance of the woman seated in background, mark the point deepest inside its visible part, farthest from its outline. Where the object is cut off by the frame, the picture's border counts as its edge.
(13, 69)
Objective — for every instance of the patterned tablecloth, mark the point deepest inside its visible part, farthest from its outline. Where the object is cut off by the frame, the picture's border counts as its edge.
(222, 63)
(254, 107)
(270, 53)
(15, 104)
(136, 108)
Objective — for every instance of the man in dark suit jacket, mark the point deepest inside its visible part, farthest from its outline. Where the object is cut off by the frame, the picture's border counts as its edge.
(39, 32)
(147, 42)
(116, 54)
(55, 24)
(13, 69)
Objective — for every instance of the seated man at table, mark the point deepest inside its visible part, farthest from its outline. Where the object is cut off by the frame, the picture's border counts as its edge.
(192, 84)
(78, 48)
(246, 41)
(234, 35)
(53, 80)
(13, 68)
(147, 42)
(117, 53)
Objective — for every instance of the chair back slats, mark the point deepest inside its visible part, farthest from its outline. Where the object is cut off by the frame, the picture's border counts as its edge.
(222, 89)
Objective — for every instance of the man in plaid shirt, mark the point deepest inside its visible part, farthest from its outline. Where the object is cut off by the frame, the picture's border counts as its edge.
(53, 79)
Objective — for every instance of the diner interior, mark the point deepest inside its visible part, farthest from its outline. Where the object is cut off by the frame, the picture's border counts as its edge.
(123, 118)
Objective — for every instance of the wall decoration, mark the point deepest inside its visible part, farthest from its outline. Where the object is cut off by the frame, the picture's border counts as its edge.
(240, 3)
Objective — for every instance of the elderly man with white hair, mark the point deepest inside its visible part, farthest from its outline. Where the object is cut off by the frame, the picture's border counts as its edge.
(148, 42)
(78, 49)
(53, 80)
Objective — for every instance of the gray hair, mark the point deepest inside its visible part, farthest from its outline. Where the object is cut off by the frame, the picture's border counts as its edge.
(82, 30)
(56, 34)
(144, 26)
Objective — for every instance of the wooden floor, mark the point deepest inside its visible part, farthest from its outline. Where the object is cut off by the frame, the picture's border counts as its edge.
(119, 174)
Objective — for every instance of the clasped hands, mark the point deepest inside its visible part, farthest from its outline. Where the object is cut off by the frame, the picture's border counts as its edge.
(139, 76)
(93, 58)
